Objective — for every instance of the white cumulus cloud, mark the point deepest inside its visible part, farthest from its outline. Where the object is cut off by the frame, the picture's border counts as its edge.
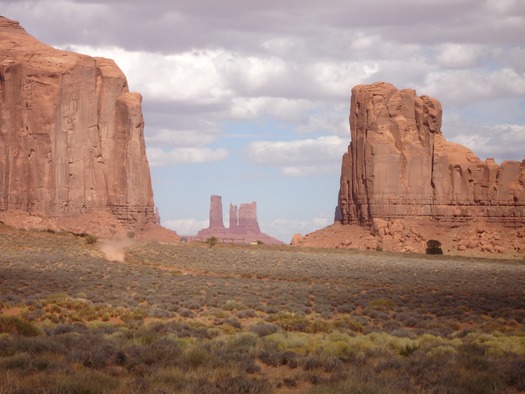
(181, 138)
(158, 157)
(501, 142)
(186, 226)
(312, 156)
(462, 87)
(285, 228)
(455, 55)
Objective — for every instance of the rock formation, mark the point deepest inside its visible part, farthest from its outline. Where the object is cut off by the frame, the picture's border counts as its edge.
(246, 219)
(399, 165)
(404, 181)
(216, 212)
(243, 226)
(72, 152)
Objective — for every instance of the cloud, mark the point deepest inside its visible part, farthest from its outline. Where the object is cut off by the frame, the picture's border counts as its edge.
(300, 157)
(191, 76)
(181, 138)
(160, 158)
(321, 169)
(459, 55)
(302, 75)
(301, 28)
(287, 109)
(328, 118)
(186, 226)
(462, 87)
(501, 142)
(285, 228)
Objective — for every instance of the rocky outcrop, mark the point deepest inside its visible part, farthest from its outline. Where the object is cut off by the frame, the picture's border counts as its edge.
(243, 226)
(244, 218)
(404, 183)
(399, 165)
(476, 238)
(216, 221)
(71, 139)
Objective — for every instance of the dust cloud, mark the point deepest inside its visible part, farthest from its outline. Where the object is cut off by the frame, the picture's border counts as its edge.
(115, 249)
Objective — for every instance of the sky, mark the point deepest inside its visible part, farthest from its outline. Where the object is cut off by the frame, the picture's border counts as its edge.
(250, 99)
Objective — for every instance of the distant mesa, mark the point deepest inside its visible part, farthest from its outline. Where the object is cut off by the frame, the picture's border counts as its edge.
(72, 151)
(403, 183)
(243, 227)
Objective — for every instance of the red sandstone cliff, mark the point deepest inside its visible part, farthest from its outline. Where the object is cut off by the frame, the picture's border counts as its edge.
(406, 184)
(72, 152)
(399, 165)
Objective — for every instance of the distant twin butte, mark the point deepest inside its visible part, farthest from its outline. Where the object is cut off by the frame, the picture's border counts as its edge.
(243, 227)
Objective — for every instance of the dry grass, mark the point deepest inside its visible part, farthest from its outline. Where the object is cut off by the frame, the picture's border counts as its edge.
(254, 319)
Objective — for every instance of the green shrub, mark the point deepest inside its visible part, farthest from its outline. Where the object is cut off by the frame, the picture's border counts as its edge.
(408, 349)
(17, 361)
(381, 304)
(212, 241)
(232, 385)
(87, 381)
(91, 239)
(271, 358)
(434, 247)
(479, 382)
(247, 313)
(355, 383)
(16, 325)
(241, 343)
(195, 357)
(290, 322)
(231, 305)
(320, 326)
(346, 322)
(263, 329)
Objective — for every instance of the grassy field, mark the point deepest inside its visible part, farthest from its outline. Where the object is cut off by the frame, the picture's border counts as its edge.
(254, 319)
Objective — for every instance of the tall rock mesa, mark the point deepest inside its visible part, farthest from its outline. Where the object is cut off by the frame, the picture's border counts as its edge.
(216, 212)
(399, 166)
(71, 136)
(243, 219)
(248, 217)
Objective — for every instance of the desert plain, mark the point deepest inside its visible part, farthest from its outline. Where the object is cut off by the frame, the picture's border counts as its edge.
(81, 315)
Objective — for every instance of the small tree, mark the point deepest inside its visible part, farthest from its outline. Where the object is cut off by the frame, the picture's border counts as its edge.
(434, 247)
(91, 239)
(212, 241)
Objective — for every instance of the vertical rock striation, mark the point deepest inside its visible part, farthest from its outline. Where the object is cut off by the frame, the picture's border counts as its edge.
(71, 136)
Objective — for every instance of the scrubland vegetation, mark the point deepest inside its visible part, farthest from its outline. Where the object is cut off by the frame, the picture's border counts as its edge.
(255, 319)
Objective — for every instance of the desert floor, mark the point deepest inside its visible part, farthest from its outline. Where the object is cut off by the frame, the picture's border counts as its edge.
(189, 318)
